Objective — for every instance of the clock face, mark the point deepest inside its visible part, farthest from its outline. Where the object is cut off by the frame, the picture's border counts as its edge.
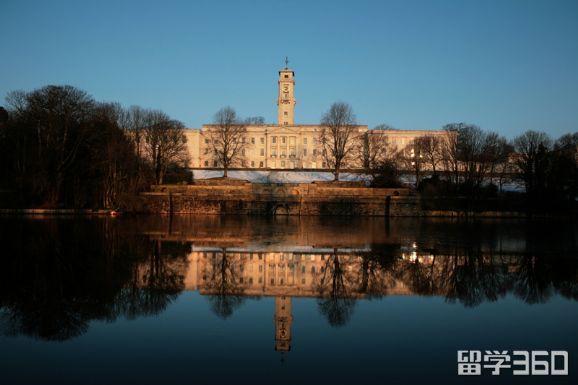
(285, 88)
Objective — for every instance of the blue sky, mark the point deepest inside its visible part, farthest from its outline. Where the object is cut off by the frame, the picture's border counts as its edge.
(507, 66)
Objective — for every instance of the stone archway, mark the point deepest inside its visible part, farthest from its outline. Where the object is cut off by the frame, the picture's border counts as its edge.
(281, 209)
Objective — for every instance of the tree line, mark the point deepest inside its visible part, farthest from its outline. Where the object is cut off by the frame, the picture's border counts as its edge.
(463, 159)
(61, 148)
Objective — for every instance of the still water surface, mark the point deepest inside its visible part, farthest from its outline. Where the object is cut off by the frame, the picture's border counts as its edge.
(150, 300)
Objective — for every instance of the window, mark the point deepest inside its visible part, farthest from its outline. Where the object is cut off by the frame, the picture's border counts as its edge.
(284, 123)
(262, 152)
(243, 139)
(252, 163)
(262, 140)
(243, 152)
(286, 76)
(285, 113)
(206, 163)
(273, 281)
(261, 164)
(303, 281)
(314, 152)
(304, 152)
(283, 139)
(292, 152)
(323, 165)
(252, 140)
(273, 139)
(283, 153)
(206, 150)
(207, 141)
(283, 164)
(260, 268)
(274, 152)
(304, 140)
(215, 163)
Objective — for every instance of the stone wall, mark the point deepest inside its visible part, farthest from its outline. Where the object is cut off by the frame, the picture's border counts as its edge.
(279, 199)
(324, 198)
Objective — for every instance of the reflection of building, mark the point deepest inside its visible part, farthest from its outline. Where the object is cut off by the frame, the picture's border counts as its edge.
(340, 276)
(283, 320)
(286, 145)
(302, 273)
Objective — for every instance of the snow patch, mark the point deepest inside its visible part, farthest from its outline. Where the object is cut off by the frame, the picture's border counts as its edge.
(281, 176)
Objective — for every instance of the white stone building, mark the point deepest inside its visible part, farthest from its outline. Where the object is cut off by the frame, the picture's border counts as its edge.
(286, 145)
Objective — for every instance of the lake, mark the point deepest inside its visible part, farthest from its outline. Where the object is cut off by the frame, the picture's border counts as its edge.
(327, 300)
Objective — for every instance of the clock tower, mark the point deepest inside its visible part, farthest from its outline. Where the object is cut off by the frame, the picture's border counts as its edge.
(286, 98)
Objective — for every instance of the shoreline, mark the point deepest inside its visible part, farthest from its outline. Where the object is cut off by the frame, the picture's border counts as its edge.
(452, 214)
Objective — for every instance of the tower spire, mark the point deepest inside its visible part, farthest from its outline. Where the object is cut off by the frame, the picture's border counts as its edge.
(286, 62)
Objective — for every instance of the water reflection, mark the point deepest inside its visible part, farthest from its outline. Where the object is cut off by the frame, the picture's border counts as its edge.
(58, 275)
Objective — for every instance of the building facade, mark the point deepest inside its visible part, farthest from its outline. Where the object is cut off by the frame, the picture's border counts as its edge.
(286, 145)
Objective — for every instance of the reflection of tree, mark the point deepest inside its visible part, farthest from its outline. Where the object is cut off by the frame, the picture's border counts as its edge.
(474, 280)
(39, 296)
(222, 281)
(62, 274)
(419, 277)
(334, 288)
(374, 275)
(565, 277)
(156, 280)
(532, 281)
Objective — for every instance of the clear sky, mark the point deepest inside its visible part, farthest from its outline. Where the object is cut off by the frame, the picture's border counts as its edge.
(505, 65)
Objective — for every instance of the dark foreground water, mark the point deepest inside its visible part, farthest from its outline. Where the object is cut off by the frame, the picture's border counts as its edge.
(250, 300)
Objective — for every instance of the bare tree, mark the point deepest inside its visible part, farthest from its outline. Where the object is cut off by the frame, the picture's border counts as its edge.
(55, 119)
(134, 121)
(532, 148)
(376, 149)
(114, 157)
(164, 143)
(339, 137)
(451, 150)
(431, 149)
(227, 138)
(472, 147)
(504, 168)
(413, 158)
(495, 154)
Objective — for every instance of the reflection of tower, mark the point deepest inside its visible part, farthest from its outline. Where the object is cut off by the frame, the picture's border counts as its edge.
(283, 320)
